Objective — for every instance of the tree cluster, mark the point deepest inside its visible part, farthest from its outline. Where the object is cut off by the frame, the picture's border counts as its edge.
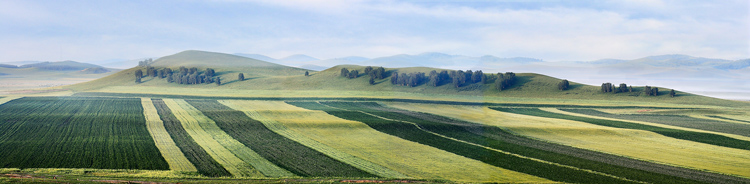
(145, 62)
(504, 81)
(349, 74)
(181, 76)
(410, 79)
(651, 91)
(377, 73)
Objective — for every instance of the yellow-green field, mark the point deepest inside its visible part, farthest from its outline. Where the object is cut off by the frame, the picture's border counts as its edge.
(191, 120)
(626, 142)
(163, 140)
(357, 139)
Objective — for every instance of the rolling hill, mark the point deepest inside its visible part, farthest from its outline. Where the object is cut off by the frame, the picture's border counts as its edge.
(264, 79)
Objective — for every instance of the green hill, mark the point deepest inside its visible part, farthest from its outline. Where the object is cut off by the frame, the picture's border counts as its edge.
(268, 79)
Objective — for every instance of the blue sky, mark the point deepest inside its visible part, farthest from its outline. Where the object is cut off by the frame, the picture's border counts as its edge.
(551, 30)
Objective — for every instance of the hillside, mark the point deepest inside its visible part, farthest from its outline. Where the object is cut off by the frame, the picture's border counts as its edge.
(263, 79)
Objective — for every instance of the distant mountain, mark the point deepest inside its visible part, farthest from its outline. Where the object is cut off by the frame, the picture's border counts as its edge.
(257, 56)
(18, 63)
(60, 66)
(734, 65)
(441, 60)
(298, 58)
(8, 66)
(95, 70)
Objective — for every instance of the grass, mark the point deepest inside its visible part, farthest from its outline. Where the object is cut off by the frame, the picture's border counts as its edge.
(701, 137)
(258, 110)
(282, 151)
(63, 132)
(677, 120)
(171, 153)
(357, 139)
(203, 162)
(507, 158)
(639, 144)
(212, 139)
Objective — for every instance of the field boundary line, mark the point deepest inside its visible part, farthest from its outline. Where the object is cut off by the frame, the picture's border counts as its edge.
(489, 148)
(280, 129)
(216, 150)
(718, 119)
(169, 150)
(556, 110)
(8, 99)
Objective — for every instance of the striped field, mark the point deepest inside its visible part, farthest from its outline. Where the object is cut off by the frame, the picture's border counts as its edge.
(194, 123)
(175, 158)
(357, 139)
(627, 142)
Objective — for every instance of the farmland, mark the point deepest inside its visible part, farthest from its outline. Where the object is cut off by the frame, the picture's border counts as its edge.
(164, 142)
(639, 144)
(701, 137)
(203, 162)
(205, 133)
(556, 167)
(674, 120)
(278, 149)
(359, 140)
(56, 132)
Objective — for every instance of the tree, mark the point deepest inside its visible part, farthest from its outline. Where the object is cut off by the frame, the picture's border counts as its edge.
(379, 73)
(241, 76)
(218, 81)
(672, 93)
(394, 78)
(307, 73)
(210, 72)
(563, 85)
(368, 69)
(477, 76)
(607, 87)
(647, 91)
(655, 91)
(138, 76)
(434, 78)
(353, 74)
(630, 89)
(344, 72)
(372, 81)
(623, 87)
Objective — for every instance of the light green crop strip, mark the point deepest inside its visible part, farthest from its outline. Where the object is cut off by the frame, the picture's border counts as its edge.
(191, 122)
(252, 162)
(169, 150)
(280, 129)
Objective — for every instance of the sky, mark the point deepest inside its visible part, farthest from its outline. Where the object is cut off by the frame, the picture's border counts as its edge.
(551, 30)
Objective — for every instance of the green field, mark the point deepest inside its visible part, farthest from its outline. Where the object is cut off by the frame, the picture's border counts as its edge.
(395, 154)
(203, 162)
(278, 149)
(163, 140)
(105, 133)
(638, 144)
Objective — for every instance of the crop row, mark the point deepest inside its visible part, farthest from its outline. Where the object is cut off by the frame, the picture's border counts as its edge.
(52, 132)
(271, 117)
(284, 152)
(701, 137)
(467, 133)
(726, 118)
(674, 120)
(164, 142)
(206, 165)
(211, 138)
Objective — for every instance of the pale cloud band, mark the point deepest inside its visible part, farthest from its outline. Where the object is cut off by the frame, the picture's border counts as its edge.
(550, 30)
